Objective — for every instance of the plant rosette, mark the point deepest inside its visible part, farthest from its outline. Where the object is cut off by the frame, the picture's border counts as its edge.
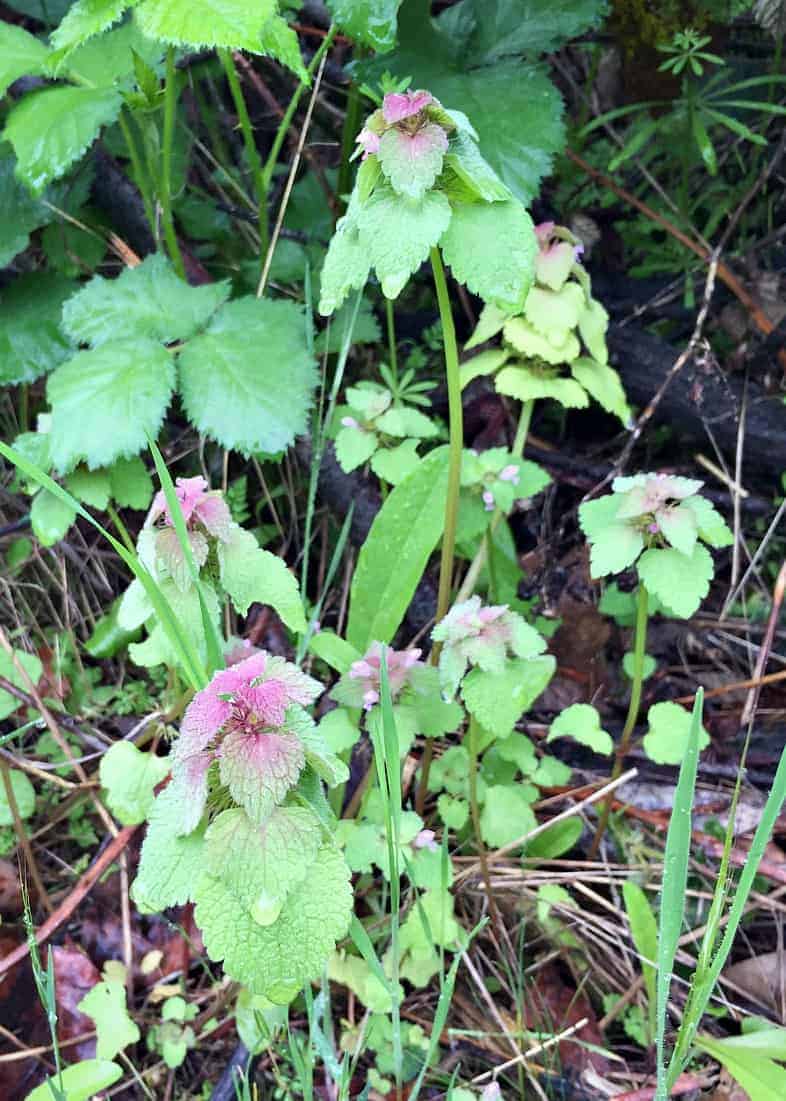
(243, 831)
(422, 184)
(560, 326)
(229, 561)
(659, 523)
(490, 480)
(372, 426)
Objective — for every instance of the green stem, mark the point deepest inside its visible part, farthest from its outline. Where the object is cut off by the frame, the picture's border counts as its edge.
(348, 135)
(120, 528)
(479, 561)
(456, 426)
(244, 119)
(639, 653)
(474, 808)
(392, 355)
(165, 182)
(286, 119)
(24, 407)
(142, 180)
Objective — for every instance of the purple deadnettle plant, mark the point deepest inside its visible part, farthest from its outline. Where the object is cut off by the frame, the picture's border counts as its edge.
(240, 829)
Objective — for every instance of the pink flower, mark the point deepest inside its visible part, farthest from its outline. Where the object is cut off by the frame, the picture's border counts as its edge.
(368, 141)
(488, 500)
(397, 106)
(510, 473)
(659, 497)
(544, 232)
(204, 513)
(349, 422)
(426, 839)
(475, 635)
(242, 720)
(361, 685)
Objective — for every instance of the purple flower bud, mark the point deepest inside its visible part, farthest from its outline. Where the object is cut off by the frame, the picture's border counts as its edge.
(349, 422)
(510, 473)
(397, 106)
(369, 142)
(488, 500)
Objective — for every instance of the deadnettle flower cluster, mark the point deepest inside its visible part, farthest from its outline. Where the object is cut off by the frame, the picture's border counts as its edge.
(249, 721)
(422, 183)
(659, 522)
(206, 516)
(360, 687)
(474, 635)
(561, 326)
(370, 420)
(495, 475)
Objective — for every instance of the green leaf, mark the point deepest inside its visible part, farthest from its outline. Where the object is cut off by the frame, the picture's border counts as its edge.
(277, 960)
(514, 107)
(130, 482)
(346, 266)
(603, 384)
(86, 18)
(80, 1082)
(491, 247)
(129, 777)
(398, 234)
(370, 22)
(236, 24)
(761, 1078)
(712, 528)
(112, 58)
(679, 581)
(581, 722)
(22, 213)
(24, 793)
(551, 773)
(50, 518)
(666, 740)
(20, 55)
(169, 865)
(245, 408)
(261, 865)
(412, 162)
(354, 447)
(280, 41)
(497, 700)
(249, 574)
(506, 815)
(614, 548)
(394, 464)
(628, 664)
(107, 401)
(502, 28)
(148, 302)
(405, 531)
(332, 649)
(558, 839)
(108, 637)
(52, 128)
(106, 1004)
(91, 487)
(644, 930)
(338, 730)
(527, 385)
(558, 346)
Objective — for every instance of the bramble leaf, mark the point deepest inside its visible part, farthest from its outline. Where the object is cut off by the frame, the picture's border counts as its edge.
(276, 960)
(236, 24)
(22, 213)
(130, 777)
(249, 573)
(581, 722)
(679, 581)
(243, 409)
(86, 18)
(91, 487)
(21, 54)
(149, 301)
(106, 401)
(370, 22)
(52, 128)
(130, 482)
(491, 247)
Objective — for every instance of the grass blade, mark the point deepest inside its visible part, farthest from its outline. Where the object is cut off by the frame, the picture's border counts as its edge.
(675, 878)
